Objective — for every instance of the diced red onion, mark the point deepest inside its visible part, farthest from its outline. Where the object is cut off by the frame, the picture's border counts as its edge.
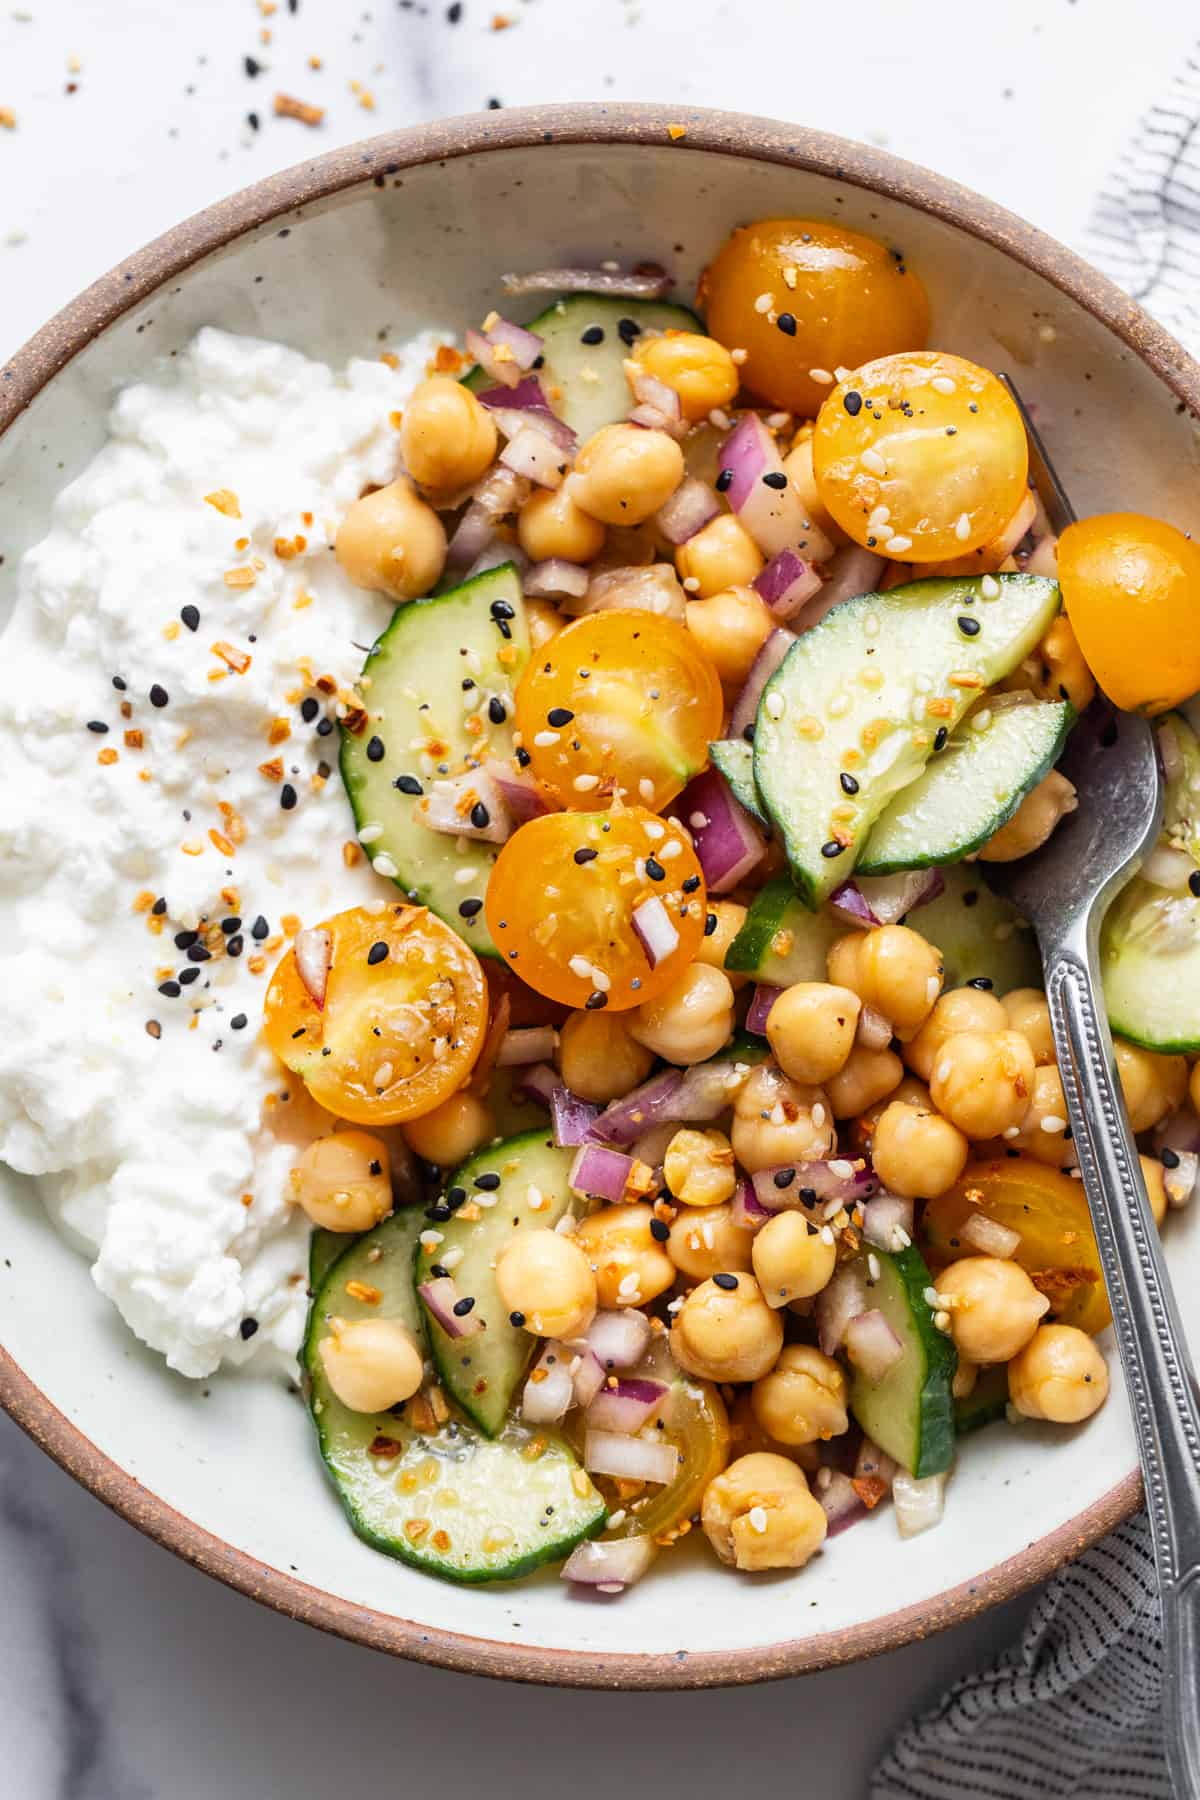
(882, 899)
(506, 351)
(624, 1120)
(314, 954)
(652, 418)
(1043, 558)
(689, 510)
(774, 516)
(587, 1376)
(1179, 1181)
(874, 1031)
(729, 844)
(626, 1407)
(919, 1504)
(609, 1567)
(619, 1339)
(990, 1236)
(529, 1044)
(871, 1344)
(445, 807)
(549, 1392)
(646, 282)
(572, 1117)
(473, 534)
(845, 1180)
(629, 1458)
(848, 572)
(763, 1000)
(526, 404)
(843, 1300)
(538, 1083)
(648, 390)
(535, 456)
(600, 1173)
(500, 493)
(709, 1089)
(888, 1222)
(874, 1463)
(521, 795)
(787, 583)
(652, 587)
(838, 1500)
(773, 651)
(1007, 540)
(441, 1296)
(747, 1210)
(1180, 1132)
(554, 577)
(654, 931)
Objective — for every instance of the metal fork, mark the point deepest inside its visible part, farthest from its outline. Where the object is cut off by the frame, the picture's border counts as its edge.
(1064, 891)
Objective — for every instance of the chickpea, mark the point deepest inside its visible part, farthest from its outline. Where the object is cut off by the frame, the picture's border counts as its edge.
(994, 1307)
(699, 1168)
(701, 371)
(721, 555)
(866, 1077)
(1153, 1085)
(653, 589)
(1044, 1129)
(958, 1009)
(916, 1152)
(792, 1261)
(1061, 672)
(1034, 820)
(725, 1331)
(447, 439)
(391, 541)
(803, 1398)
(731, 628)
(776, 1121)
(747, 1437)
(705, 1245)
(546, 1277)
(343, 1182)
(798, 466)
(1156, 1192)
(759, 1514)
(544, 621)
(691, 1020)
(892, 969)
(730, 918)
(447, 1135)
(1028, 1013)
(371, 1364)
(623, 474)
(598, 1059)
(962, 1382)
(983, 1081)
(551, 525)
(811, 1029)
(630, 1265)
(1059, 1375)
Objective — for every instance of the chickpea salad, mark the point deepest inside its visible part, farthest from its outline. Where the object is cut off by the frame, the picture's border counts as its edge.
(685, 1150)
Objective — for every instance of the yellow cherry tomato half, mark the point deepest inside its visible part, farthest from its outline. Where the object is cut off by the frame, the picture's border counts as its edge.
(1131, 587)
(570, 904)
(401, 1021)
(921, 457)
(804, 299)
(1049, 1213)
(620, 702)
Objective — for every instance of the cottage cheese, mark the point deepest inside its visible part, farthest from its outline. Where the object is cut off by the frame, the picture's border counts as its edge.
(165, 1156)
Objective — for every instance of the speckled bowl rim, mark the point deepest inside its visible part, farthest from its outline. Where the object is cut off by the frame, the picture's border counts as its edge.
(277, 198)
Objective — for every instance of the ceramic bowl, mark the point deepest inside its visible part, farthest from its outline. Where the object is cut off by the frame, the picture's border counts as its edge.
(416, 228)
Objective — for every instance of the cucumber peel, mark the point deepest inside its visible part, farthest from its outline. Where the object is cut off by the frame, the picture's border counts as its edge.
(909, 1411)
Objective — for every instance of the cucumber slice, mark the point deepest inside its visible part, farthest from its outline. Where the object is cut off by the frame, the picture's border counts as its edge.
(324, 1248)
(910, 1411)
(1181, 801)
(446, 1501)
(986, 1403)
(781, 941)
(1150, 967)
(981, 937)
(481, 1372)
(734, 759)
(413, 691)
(585, 382)
(884, 672)
(968, 791)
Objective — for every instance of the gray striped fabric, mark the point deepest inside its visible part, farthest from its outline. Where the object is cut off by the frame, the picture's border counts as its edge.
(1072, 1712)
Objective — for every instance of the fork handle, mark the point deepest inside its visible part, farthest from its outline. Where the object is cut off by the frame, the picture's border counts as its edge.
(1158, 1371)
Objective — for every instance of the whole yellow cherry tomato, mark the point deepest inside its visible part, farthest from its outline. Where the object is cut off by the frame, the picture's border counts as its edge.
(834, 299)
(1131, 587)
(921, 456)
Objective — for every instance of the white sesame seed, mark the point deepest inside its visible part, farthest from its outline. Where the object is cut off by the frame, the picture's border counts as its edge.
(900, 1238)
(896, 546)
(646, 789)
(962, 529)
(719, 419)
(989, 587)
(871, 459)
(982, 719)
(698, 821)
(429, 1240)
(384, 1074)
(383, 865)
(600, 980)
(818, 1115)
(841, 1168)
(581, 968)
(941, 1321)
(827, 1234)
(674, 848)
(1011, 1131)
(822, 376)
(764, 303)
(942, 384)
(775, 706)
(453, 1257)
(692, 583)
(777, 420)
(655, 830)
(544, 739)
(369, 834)
(878, 519)
(873, 1266)
(463, 877)
(756, 1518)
(628, 1286)
(534, 1198)
(583, 784)
(1052, 1123)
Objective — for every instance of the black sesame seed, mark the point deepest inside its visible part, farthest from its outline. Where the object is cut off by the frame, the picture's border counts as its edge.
(710, 924)
(324, 727)
(852, 403)
(158, 695)
(832, 849)
(375, 750)
(408, 784)
(309, 710)
(187, 976)
(516, 1319)
(654, 869)
(748, 732)
(185, 939)
(586, 855)
(497, 711)
(198, 954)
(849, 785)
(559, 716)
(500, 609)
(660, 1231)
(191, 617)
(523, 757)
(98, 726)
(235, 945)
(1194, 882)
(377, 953)
(455, 1196)
(300, 1032)
(170, 988)
(238, 1022)
(252, 66)
(596, 1002)
(481, 818)
(808, 1195)
(229, 926)
(984, 983)
(260, 929)
(468, 909)
(729, 1282)
(784, 1177)
(691, 884)
(787, 324)
(287, 796)
(939, 738)
(462, 1307)
(438, 1213)
(248, 1327)
(593, 335)
(119, 683)
(968, 626)
(775, 479)
(628, 329)
(724, 481)
(489, 1182)
(159, 908)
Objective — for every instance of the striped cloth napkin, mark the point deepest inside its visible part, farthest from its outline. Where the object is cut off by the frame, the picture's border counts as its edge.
(1073, 1711)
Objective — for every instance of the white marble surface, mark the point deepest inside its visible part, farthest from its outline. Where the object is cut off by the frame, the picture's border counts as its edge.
(123, 1674)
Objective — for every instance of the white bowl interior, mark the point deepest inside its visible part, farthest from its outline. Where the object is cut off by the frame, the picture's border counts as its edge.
(235, 1455)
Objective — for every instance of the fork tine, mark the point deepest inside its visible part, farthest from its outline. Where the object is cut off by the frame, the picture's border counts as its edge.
(1053, 495)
